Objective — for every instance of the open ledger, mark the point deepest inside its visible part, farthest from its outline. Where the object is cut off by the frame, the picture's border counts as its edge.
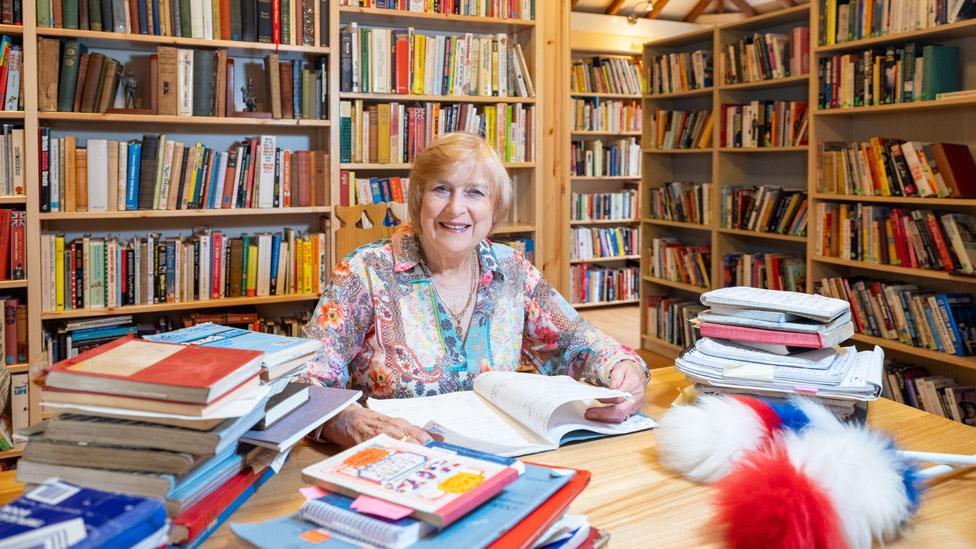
(512, 413)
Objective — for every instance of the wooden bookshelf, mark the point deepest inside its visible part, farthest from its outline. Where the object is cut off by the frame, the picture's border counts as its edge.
(215, 212)
(699, 92)
(403, 97)
(18, 368)
(679, 224)
(364, 166)
(174, 120)
(606, 303)
(433, 21)
(14, 453)
(178, 306)
(11, 115)
(761, 234)
(13, 199)
(675, 284)
(605, 95)
(931, 105)
(605, 222)
(896, 200)
(121, 40)
(959, 29)
(799, 79)
(10, 284)
(704, 150)
(604, 259)
(762, 150)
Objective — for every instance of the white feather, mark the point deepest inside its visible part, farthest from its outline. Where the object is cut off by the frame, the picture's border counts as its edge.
(704, 441)
(862, 476)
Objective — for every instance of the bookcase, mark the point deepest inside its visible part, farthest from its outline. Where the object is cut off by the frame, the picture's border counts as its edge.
(220, 132)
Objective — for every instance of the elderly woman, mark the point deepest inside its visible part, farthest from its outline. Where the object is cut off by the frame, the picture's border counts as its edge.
(427, 310)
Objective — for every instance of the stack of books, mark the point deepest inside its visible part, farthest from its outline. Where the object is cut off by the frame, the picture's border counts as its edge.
(765, 208)
(778, 343)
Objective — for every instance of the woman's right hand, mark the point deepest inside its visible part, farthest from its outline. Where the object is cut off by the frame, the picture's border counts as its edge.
(356, 424)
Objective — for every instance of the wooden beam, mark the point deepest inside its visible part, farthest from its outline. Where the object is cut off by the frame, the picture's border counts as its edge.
(787, 3)
(613, 8)
(696, 11)
(720, 6)
(658, 8)
(744, 7)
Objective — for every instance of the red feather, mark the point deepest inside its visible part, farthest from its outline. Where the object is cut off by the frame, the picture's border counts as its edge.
(765, 502)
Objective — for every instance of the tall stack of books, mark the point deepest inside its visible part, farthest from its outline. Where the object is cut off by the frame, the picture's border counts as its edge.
(778, 343)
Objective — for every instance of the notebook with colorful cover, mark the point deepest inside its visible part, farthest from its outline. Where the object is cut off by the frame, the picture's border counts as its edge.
(439, 486)
(136, 368)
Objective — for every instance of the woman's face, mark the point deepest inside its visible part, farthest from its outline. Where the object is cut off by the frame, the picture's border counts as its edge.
(456, 212)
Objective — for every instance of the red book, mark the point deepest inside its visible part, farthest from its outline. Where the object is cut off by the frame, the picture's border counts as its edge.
(934, 229)
(286, 179)
(537, 522)
(191, 522)
(343, 188)
(402, 56)
(154, 370)
(134, 27)
(255, 158)
(224, 26)
(216, 257)
(275, 21)
(4, 244)
(304, 161)
(777, 337)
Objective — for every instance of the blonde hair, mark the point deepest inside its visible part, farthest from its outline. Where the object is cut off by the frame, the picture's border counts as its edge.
(441, 159)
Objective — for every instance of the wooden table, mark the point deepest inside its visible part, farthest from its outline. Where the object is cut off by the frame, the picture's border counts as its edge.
(642, 505)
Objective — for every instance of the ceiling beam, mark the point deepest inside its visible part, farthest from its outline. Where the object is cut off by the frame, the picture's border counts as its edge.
(658, 8)
(720, 6)
(696, 11)
(744, 7)
(613, 8)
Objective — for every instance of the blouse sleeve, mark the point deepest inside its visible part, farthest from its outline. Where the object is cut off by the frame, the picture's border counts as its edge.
(559, 341)
(341, 320)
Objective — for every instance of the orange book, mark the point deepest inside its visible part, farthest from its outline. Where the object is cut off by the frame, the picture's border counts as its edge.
(525, 533)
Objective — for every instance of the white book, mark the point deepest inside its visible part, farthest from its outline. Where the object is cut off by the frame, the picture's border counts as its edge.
(54, 181)
(97, 175)
(379, 60)
(14, 65)
(19, 401)
(356, 63)
(120, 177)
(915, 167)
(150, 284)
(203, 288)
(165, 169)
(502, 40)
(47, 270)
(264, 265)
(266, 159)
(221, 175)
(111, 275)
(196, 18)
(184, 84)
(208, 20)
(525, 70)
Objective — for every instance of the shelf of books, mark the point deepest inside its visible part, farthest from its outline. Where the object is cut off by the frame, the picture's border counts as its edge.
(892, 199)
(408, 75)
(604, 178)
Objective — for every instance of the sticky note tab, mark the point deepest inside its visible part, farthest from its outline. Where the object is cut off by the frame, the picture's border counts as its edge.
(312, 492)
(754, 372)
(315, 536)
(380, 508)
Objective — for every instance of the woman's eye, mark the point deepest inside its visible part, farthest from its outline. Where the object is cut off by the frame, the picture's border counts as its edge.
(440, 189)
(476, 192)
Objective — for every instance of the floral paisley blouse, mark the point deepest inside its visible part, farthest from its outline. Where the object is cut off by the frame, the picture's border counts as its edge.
(386, 333)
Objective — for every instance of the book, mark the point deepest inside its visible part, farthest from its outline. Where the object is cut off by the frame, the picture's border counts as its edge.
(323, 404)
(404, 474)
(816, 307)
(498, 418)
(335, 513)
(276, 348)
(148, 369)
(778, 337)
(282, 404)
(80, 454)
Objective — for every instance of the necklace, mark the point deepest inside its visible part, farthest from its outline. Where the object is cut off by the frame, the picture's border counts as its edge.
(458, 318)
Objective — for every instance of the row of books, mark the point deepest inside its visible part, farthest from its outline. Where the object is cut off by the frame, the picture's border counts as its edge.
(940, 395)
(765, 208)
(295, 22)
(596, 157)
(98, 272)
(394, 191)
(13, 244)
(606, 115)
(11, 75)
(403, 61)
(620, 75)
(520, 9)
(679, 72)
(920, 239)
(670, 319)
(846, 20)
(765, 123)
(682, 201)
(159, 173)
(895, 167)
(902, 312)
(894, 75)
(600, 283)
(12, 160)
(681, 129)
(677, 262)
(622, 205)
(772, 271)
(604, 243)
(522, 245)
(766, 56)
(396, 132)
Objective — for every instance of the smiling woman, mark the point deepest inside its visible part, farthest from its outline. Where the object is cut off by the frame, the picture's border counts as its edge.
(427, 310)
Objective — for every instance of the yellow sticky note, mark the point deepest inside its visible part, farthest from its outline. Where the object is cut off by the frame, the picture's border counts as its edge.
(315, 536)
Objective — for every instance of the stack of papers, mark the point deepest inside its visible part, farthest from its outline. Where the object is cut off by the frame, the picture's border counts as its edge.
(773, 342)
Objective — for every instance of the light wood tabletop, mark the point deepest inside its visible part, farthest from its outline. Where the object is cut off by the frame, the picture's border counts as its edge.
(642, 505)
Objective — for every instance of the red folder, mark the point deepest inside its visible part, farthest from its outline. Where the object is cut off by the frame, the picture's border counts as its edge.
(525, 533)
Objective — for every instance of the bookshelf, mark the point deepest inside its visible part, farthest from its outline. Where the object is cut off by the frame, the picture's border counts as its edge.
(608, 118)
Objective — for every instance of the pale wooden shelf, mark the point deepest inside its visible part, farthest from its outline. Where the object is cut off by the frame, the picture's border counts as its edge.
(799, 14)
(594, 304)
(932, 105)
(604, 177)
(959, 29)
(409, 165)
(603, 221)
(8, 284)
(677, 151)
(761, 234)
(699, 92)
(179, 306)
(11, 29)
(749, 150)
(693, 37)
(181, 120)
(674, 284)
(955, 360)
(13, 199)
(491, 99)
(121, 40)
(957, 202)
(602, 259)
(514, 229)
(670, 350)
(214, 212)
(771, 83)
(599, 95)
(897, 270)
(432, 21)
(671, 223)
(10, 454)
(11, 115)
(585, 133)
(18, 368)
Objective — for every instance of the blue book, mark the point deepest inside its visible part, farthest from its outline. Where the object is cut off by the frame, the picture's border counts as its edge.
(275, 252)
(64, 514)
(143, 19)
(297, 87)
(155, 10)
(477, 529)
(276, 348)
(107, 331)
(213, 198)
(132, 178)
(374, 187)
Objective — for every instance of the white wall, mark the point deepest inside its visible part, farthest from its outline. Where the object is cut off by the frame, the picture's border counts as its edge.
(613, 32)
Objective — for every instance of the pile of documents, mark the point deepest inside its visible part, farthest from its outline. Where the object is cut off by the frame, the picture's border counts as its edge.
(199, 417)
(775, 343)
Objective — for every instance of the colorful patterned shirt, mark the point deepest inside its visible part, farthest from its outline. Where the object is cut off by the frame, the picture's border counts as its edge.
(386, 332)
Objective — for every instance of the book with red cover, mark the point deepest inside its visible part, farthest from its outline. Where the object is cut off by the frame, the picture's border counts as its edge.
(777, 337)
(130, 367)
(537, 522)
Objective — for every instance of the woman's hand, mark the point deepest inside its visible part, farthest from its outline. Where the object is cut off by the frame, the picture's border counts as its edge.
(627, 376)
(356, 424)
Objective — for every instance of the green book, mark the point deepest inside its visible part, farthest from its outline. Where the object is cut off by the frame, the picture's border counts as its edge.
(940, 71)
(69, 13)
(185, 18)
(364, 61)
(95, 14)
(285, 21)
(69, 75)
(43, 14)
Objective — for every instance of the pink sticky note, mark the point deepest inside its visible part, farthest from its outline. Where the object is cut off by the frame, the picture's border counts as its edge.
(380, 508)
(312, 492)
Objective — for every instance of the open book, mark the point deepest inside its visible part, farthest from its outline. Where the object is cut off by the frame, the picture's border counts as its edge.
(512, 414)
